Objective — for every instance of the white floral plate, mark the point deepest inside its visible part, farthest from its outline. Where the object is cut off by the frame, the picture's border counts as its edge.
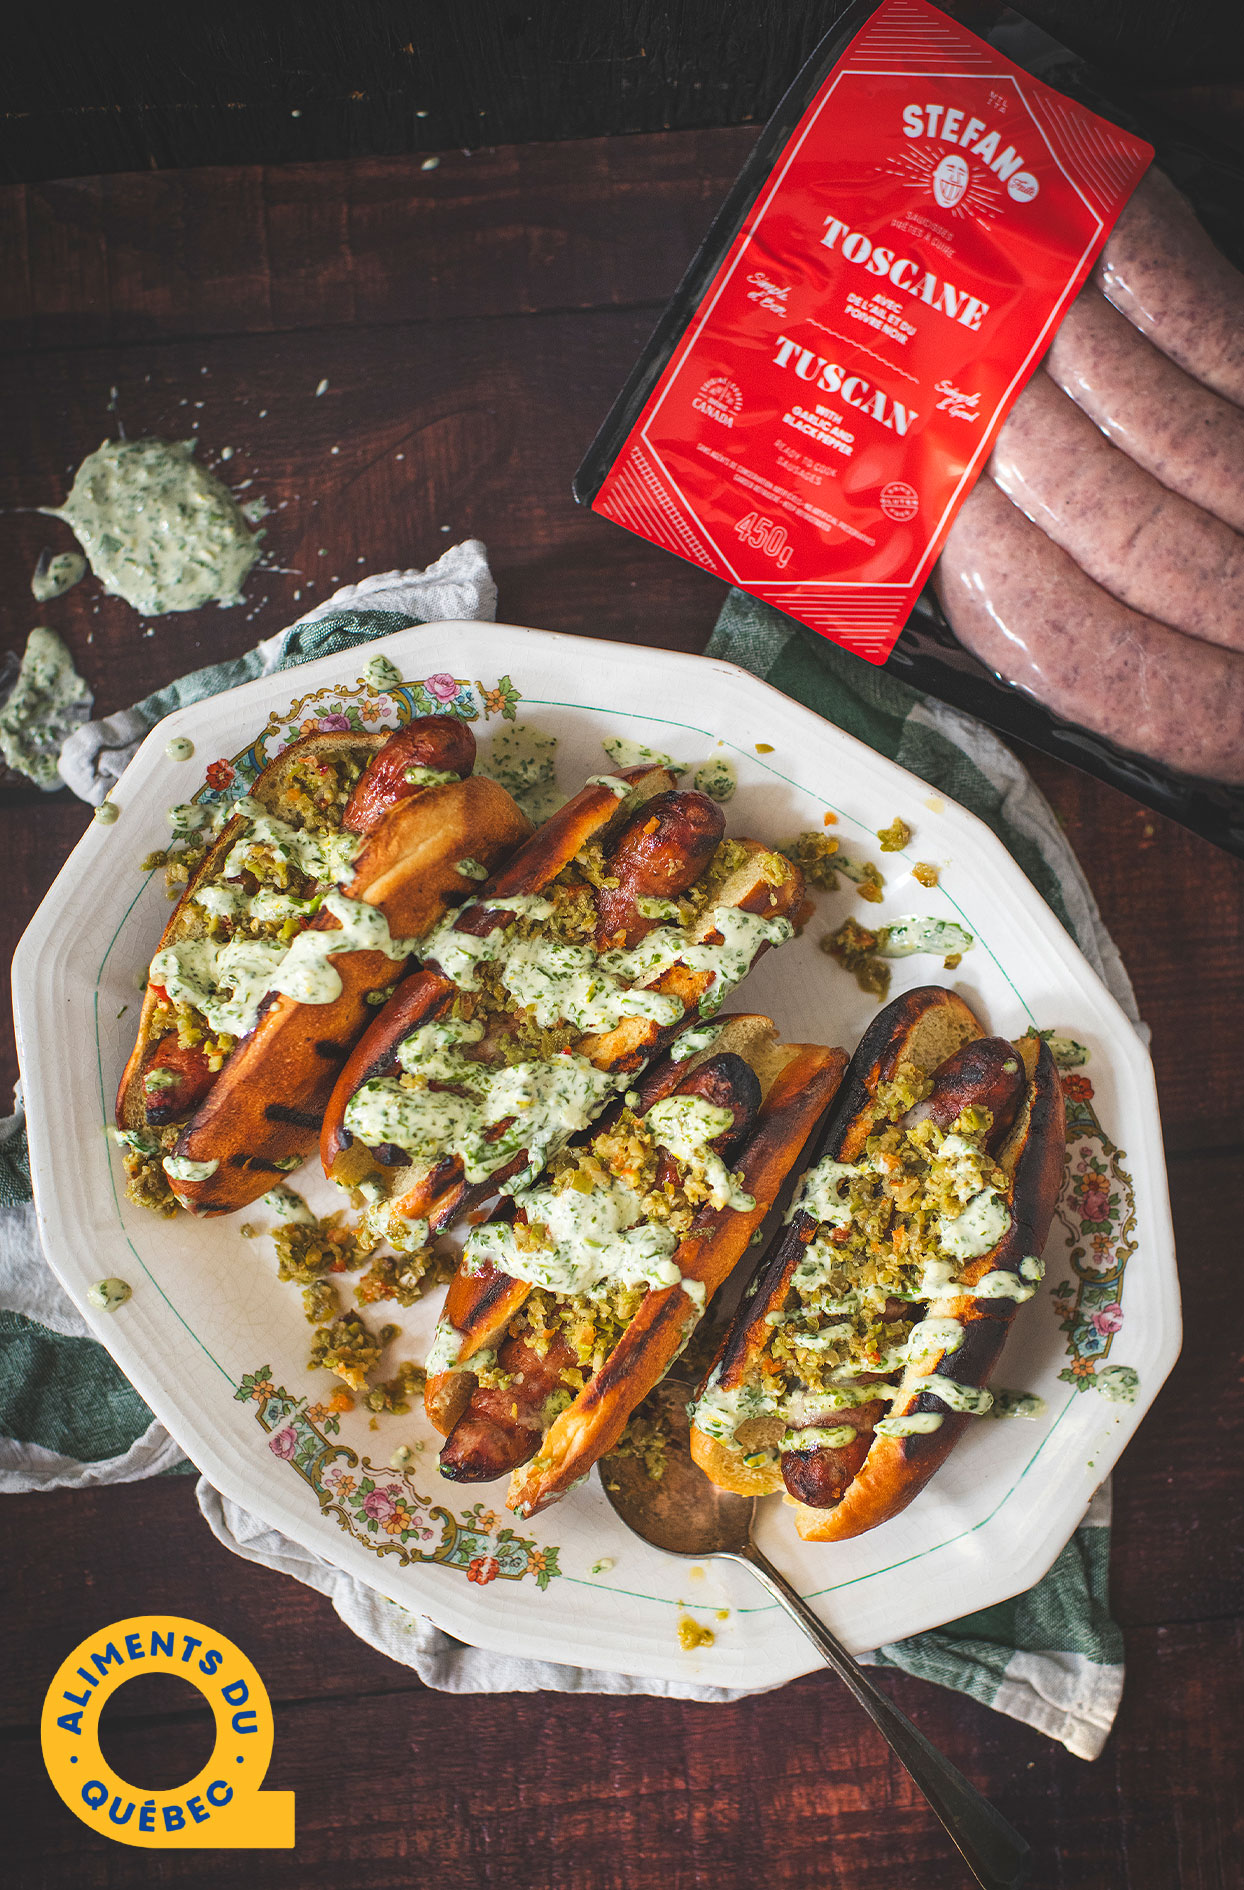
(218, 1346)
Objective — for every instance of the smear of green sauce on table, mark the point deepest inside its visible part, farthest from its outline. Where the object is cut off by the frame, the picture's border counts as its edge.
(158, 529)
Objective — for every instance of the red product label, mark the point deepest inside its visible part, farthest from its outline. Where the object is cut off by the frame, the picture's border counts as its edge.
(837, 391)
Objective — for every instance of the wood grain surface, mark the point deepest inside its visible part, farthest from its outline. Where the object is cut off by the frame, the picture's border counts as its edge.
(146, 86)
(473, 324)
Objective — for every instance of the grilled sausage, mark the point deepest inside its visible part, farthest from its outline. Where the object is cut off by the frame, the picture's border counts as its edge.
(176, 1080)
(1148, 547)
(1161, 269)
(1188, 437)
(661, 851)
(821, 1477)
(983, 1074)
(1020, 604)
(441, 744)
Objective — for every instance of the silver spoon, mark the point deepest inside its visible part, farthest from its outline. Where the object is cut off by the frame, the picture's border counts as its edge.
(684, 1514)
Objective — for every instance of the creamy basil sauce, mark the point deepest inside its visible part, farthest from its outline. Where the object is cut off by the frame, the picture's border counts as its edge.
(268, 903)
(1066, 1052)
(1003, 1285)
(443, 1354)
(109, 1294)
(685, 1125)
(556, 981)
(836, 1397)
(221, 902)
(381, 674)
(960, 1164)
(818, 1437)
(419, 776)
(57, 573)
(461, 954)
(433, 1052)
(1120, 1384)
(938, 1277)
(187, 817)
(717, 779)
(571, 983)
(625, 753)
(718, 1412)
(444, 1349)
(600, 1239)
(142, 1141)
(288, 1205)
(699, 1037)
(305, 973)
(820, 1195)
(158, 529)
(825, 1338)
(404, 1233)
(1019, 1404)
(227, 983)
(934, 1335)
(547, 1101)
(46, 703)
(470, 869)
(905, 936)
(917, 1425)
(616, 785)
(181, 1168)
(524, 762)
(107, 814)
(978, 1228)
(970, 1398)
(179, 748)
(742, 934)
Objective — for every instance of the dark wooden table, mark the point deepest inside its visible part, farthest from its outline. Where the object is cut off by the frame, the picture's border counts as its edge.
(472, 324)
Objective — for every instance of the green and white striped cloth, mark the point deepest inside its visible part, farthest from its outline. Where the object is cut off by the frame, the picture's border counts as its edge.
(1052, 1657)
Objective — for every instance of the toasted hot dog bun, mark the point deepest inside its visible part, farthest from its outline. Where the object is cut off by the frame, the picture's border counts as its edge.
(933, 1030)
(794, 1084)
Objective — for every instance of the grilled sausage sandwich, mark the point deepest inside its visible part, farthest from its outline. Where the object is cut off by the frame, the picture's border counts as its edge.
(868, 1338)
(300, 917)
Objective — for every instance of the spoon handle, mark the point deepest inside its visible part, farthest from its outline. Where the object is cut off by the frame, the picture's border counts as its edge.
(993, 1851)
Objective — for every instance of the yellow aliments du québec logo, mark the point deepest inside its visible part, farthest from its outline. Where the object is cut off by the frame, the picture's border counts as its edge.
(222, 1807)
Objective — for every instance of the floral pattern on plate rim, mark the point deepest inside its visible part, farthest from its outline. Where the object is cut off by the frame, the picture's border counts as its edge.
(381, 1508)
(1097, 1212)
(363, 708)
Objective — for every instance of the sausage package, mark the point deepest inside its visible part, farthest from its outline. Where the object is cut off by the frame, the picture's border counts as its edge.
(826, 386)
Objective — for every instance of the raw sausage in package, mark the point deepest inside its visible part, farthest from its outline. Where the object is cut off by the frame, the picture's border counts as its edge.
(816, 413)
(951, 326)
